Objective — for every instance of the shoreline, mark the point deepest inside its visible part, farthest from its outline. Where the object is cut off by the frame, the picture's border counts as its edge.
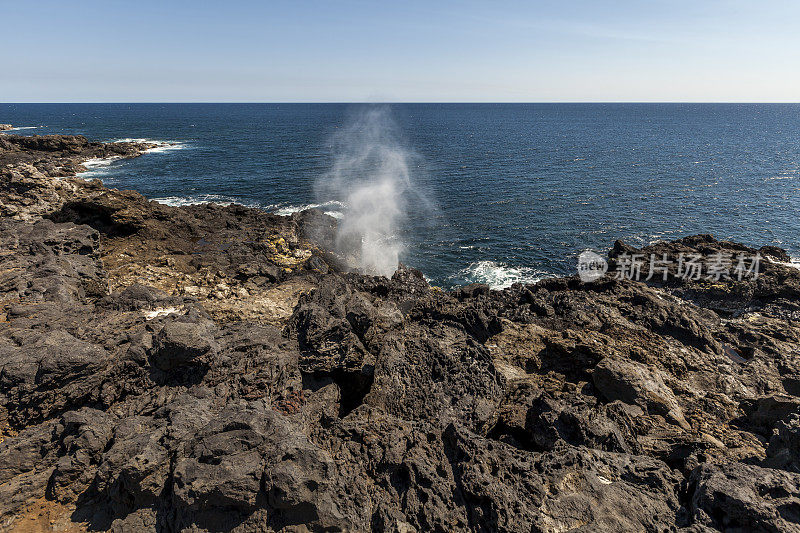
(213, 367)
(495, 272)
(97, 164)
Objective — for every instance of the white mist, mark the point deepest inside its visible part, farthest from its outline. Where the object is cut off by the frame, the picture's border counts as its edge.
(371, 176)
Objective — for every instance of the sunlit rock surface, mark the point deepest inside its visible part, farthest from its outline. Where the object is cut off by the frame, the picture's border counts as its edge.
(213, 368)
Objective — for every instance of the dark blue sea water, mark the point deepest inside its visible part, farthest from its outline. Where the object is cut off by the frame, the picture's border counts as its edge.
(520, 189)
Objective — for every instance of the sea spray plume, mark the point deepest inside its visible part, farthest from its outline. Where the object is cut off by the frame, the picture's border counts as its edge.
(371, 176)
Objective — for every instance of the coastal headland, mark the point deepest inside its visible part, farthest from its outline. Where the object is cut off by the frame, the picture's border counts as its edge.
(213, 368)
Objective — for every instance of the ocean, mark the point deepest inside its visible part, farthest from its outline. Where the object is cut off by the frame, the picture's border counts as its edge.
(513, 192)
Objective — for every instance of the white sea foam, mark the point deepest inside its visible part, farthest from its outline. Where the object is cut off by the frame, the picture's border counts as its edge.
(160, 149)
(97, 166)
(181, 201)
(656, 238)
(288, 210)
(161, 146)
(23, 128)
(500, 276)
(98, 162)
(794, 262)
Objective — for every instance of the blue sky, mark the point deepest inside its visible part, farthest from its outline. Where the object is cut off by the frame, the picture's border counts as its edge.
(406, 51)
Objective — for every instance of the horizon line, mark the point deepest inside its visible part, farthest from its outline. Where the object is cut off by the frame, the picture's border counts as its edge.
(332, 102)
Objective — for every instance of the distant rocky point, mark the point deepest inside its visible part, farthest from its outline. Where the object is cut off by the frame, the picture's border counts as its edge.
(6, 127)
(210, 368)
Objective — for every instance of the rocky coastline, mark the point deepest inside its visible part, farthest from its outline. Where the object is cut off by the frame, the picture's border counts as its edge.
(210, 368)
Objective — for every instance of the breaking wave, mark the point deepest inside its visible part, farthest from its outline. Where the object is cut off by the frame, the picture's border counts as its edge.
(501, 276)
(99, 162)
(98, 166)
(333, 208)
(161, 146)
(182, 201)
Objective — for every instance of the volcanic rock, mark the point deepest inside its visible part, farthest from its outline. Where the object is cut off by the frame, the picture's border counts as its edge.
(216, 368)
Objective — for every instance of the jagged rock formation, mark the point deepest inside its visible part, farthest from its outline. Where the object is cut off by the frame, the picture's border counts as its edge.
(213, 368)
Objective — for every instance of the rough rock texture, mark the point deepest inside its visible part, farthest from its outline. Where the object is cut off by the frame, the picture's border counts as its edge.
(214, 368)
(29, 163)
(745, 497)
